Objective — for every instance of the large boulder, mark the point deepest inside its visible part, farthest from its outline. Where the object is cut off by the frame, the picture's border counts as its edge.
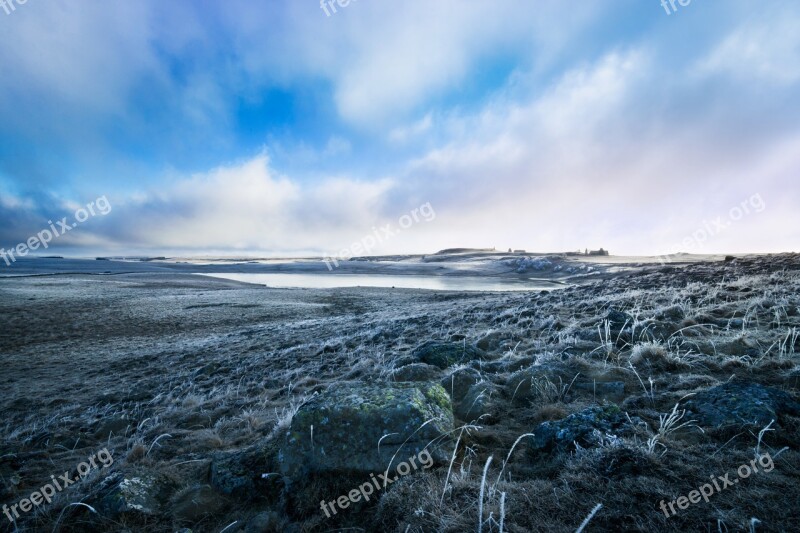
(360, 428)
(740, 403)
(447, 354)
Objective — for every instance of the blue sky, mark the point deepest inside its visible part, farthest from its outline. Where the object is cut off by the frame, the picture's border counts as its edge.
(269, 128)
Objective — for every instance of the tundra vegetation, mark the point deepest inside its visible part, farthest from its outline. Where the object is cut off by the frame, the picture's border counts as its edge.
(240, 408)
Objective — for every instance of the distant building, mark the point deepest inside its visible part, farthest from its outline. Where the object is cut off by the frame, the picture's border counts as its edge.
(519, 251)
(598, 252)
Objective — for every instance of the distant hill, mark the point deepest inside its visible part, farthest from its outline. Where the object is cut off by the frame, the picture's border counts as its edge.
(464, 250)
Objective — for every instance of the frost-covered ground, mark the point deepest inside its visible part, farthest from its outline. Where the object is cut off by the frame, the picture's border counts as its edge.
(191, 384)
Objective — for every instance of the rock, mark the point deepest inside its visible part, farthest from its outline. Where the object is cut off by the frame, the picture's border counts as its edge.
(240, 473)
(480, 400)
(195, 503)
(350, 420)
(457, 383)
(447, 354)
(740, 403)
(138, 494)
(417, 372)
(588, 428)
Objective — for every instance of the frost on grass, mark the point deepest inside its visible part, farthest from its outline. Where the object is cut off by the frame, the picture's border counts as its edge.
(698, 359)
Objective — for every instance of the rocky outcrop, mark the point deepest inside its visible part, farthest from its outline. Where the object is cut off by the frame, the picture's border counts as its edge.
(354, 427)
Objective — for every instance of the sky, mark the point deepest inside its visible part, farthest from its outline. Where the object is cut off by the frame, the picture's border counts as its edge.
(273, 128)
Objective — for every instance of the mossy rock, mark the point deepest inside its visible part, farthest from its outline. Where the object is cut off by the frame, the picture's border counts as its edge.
(366, 428)
(447, 354)
(741, 403)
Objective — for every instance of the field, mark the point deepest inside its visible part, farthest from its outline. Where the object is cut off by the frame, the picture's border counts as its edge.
(632, 388)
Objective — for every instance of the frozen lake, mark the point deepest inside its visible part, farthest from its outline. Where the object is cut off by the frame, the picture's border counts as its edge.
(441, 283)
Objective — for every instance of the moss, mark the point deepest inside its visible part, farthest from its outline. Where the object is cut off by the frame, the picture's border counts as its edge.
(437, 395)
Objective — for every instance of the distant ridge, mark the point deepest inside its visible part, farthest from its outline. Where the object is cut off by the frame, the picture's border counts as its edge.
(464, 250)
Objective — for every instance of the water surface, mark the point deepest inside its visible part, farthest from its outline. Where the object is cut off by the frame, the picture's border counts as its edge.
(441, 283)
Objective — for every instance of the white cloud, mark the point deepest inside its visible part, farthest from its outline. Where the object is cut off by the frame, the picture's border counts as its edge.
(405, 134)
(386, 59)
(77, 56)
(586, 163)
(246, 206)
(758, 52)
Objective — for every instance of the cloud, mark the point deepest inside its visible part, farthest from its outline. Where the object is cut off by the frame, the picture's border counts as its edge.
(603, 157)
(404, 134)
(385, 60)
(242, 207)
(763, 52)
(535, 124)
